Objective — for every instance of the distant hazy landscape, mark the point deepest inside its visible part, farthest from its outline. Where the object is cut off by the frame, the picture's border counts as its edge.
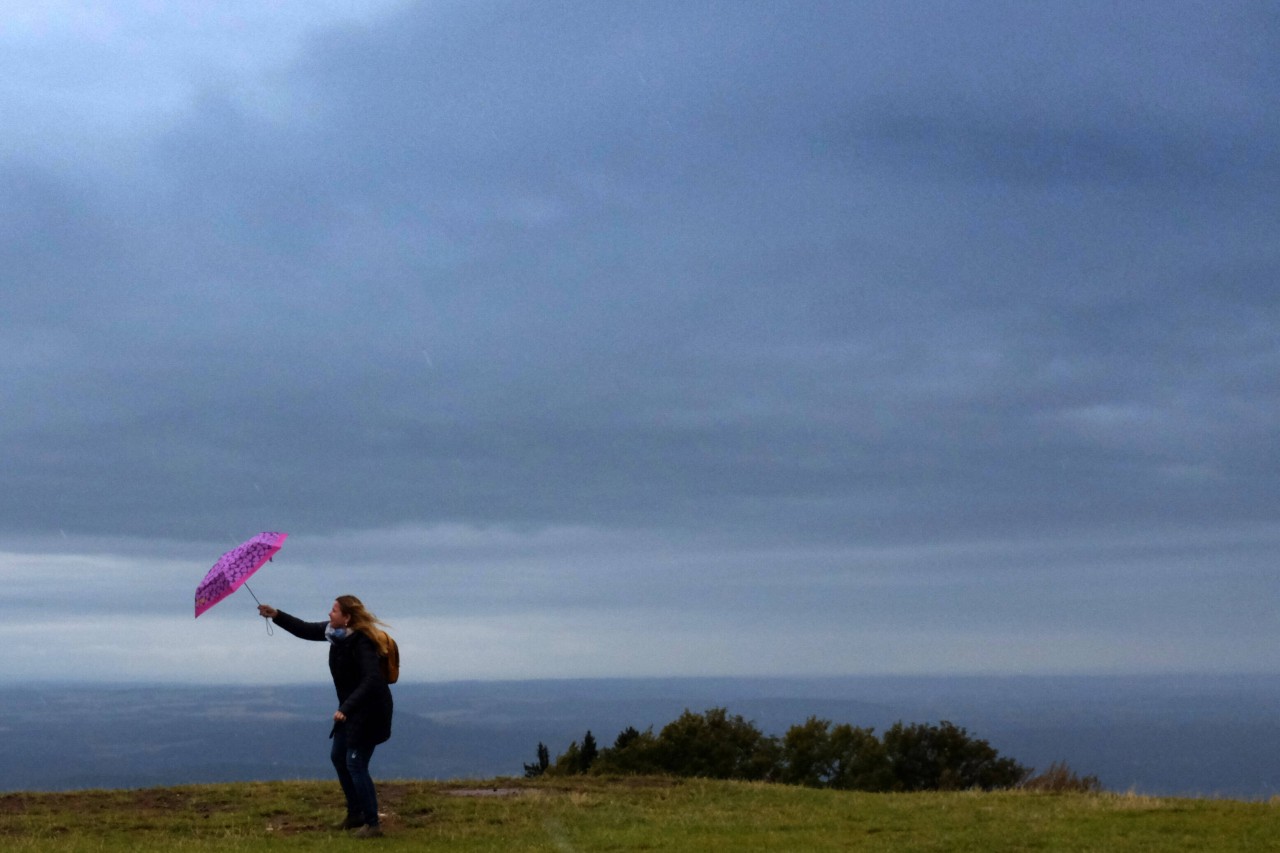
(1197, 735)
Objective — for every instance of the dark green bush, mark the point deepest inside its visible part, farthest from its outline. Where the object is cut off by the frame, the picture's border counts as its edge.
(818, 755)
(716, 745)
(540, 766)
(634, 753)
(924, 757)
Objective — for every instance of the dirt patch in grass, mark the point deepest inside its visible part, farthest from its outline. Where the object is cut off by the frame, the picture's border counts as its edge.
(15, 803)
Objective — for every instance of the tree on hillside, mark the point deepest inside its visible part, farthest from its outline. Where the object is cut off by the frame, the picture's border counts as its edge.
(626, 737)
(568, 763)
(589, 752)
(819, 756)
(860, 762)
(806, 754)
(944, 757)
(577, 758)
(540, 766)
(633, 753)
(717, 746)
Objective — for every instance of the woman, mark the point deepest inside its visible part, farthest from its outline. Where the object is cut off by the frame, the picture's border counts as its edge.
(363, 718)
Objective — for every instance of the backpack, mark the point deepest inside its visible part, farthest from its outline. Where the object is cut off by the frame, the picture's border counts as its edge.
(390, 662)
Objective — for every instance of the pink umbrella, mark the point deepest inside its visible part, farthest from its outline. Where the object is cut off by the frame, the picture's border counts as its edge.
(234, 567)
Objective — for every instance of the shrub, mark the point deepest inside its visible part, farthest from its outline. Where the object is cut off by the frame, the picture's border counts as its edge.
(1061, 779)
(575, 760)
(861, 762)
(568, 763)
(924, 757)
(818, 756)
(633, 753)
(916, 757)
(807, 754)
(715, 745)
(536, 769)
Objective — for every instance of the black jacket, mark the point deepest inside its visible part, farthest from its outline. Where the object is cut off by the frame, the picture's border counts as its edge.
(363, 695)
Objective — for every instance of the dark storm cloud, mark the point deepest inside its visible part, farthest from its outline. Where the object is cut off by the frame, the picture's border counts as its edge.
(816, 271)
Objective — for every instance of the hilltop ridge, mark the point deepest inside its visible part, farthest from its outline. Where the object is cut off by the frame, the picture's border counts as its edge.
(626, 814)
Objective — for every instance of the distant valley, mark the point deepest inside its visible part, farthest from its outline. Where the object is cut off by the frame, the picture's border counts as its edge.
(1198, 735)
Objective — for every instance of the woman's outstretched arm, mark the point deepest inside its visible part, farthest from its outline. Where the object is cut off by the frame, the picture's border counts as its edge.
(292, 624)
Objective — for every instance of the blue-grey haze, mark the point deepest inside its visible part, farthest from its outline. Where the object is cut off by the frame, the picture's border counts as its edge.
(1187, 735)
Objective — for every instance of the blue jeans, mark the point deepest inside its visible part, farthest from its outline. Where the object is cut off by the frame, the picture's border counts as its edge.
(352, 764)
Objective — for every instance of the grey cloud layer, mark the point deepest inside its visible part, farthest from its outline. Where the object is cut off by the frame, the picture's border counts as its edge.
(820, 271)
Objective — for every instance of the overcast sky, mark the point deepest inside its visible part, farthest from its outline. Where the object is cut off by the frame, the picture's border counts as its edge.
(654, 338)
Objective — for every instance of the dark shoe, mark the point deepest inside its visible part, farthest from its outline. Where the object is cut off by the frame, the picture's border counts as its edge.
(371, 830)
(351, 822)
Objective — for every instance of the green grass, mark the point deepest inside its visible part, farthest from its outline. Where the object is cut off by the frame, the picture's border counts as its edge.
(590, 814)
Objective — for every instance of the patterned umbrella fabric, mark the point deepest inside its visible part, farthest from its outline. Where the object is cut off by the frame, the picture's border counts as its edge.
(234, 567)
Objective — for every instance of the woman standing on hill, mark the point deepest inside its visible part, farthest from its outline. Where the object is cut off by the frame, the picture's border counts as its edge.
(363, 718)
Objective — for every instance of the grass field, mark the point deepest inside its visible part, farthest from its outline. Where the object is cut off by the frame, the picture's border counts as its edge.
(626, 814)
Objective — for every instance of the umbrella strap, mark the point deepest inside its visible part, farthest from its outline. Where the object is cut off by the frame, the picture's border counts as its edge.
(259, 603)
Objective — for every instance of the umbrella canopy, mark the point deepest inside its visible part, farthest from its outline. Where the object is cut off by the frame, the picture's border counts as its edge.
(234, 567)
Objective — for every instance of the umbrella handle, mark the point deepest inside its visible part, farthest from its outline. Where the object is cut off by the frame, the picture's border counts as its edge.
(259, 603)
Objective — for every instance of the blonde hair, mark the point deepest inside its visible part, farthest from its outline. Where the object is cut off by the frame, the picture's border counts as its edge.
(360, 619)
